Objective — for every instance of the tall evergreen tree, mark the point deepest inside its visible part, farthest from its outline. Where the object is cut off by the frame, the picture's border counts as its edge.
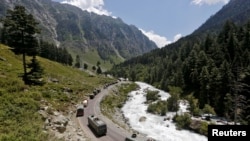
(20, 30)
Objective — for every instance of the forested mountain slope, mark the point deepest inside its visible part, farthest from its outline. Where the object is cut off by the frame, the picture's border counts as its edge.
(237, 11)
(213, 67)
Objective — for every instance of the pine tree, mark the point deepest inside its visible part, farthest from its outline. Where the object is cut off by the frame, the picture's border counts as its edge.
(85, 66)
(94, 68)
(35, 75)
(20, 30)
(98, 70)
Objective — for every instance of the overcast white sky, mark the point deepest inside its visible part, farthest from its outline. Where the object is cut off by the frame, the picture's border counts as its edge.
(163, 21)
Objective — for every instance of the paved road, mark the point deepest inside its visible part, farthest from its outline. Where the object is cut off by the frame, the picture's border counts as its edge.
(114, 132)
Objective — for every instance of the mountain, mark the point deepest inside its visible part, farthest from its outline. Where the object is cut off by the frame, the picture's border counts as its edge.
(93, 37)
(237, 11)
(210, 66)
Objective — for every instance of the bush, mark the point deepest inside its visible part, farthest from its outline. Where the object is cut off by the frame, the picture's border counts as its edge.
(159, 107)
(203, 128)
(182, 121)
(172, 104)
(208, 109)
(152, 95)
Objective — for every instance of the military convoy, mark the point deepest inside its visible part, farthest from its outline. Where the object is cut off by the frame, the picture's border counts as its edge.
(98, 126)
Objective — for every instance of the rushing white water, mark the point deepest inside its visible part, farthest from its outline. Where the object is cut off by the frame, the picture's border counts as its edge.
(154, 126)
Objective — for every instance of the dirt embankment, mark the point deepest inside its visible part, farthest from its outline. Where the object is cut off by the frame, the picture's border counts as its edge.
(61, 125)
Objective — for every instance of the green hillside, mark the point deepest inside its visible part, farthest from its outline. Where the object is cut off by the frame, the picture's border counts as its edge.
(65, 86)
(91, 58)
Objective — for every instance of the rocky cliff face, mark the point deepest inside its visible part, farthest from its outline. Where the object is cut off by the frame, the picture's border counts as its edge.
(39, 9)
(81, 31)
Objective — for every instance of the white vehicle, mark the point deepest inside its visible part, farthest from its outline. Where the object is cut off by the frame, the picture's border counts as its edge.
(85, 103)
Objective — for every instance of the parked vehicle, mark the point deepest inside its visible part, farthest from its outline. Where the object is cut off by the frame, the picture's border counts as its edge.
(79, 110)
(98, 126)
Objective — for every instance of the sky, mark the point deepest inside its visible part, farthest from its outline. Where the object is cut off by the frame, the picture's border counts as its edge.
(154, 126)
(163, 21)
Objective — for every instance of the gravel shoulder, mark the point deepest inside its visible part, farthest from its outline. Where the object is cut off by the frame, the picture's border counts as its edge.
(62, 126)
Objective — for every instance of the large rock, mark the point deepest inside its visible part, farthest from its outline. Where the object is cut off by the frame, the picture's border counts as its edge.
(60, 120)
(142, 119)
(61, 128)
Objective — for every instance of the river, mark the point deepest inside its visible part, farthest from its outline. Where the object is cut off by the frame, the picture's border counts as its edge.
(155, 126)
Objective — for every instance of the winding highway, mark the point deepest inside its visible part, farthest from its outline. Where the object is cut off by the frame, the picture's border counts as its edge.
(114, 132)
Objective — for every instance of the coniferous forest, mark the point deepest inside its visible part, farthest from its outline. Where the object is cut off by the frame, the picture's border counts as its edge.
(215, 70)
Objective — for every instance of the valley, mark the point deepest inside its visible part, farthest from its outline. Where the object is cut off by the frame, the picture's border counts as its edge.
(54, 56)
